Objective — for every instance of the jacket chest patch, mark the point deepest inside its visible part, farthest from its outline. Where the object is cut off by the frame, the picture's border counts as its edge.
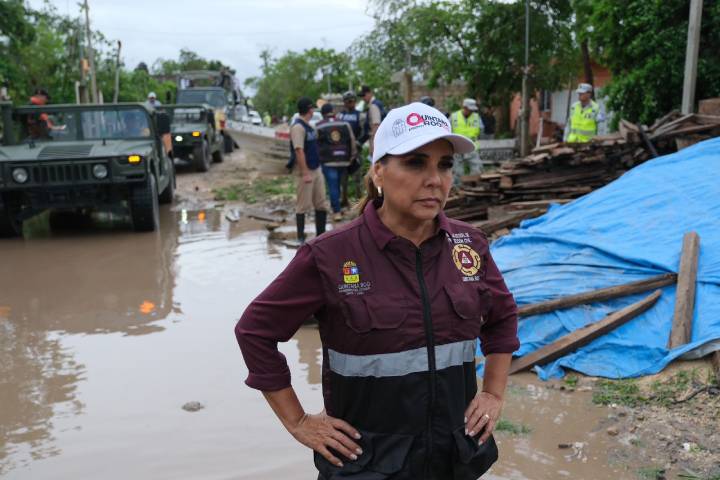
(351, 280)
(468, 261)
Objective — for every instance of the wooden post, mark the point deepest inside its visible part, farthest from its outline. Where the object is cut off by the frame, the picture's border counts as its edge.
(599, 295)
(691, 56)
(91, 55)
(715, 359)
(583, 336)
(117, 73)
(685, 294)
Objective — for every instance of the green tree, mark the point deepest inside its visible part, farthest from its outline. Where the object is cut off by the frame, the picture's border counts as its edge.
(643, 43)
(295, 74)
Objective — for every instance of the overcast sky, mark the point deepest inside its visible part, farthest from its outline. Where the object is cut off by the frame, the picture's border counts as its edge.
(233, 31)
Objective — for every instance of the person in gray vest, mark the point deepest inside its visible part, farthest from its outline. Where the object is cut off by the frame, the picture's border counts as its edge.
(336, 147)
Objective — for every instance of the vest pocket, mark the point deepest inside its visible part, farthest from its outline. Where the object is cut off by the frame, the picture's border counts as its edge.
(364, 313)
(384, 454)
(471, 460)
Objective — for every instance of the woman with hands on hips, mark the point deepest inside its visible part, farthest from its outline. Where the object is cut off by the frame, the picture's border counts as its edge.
(401, 294)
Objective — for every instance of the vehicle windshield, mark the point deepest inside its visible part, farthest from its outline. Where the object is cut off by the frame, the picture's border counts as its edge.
(74, 125)
(186, 115)
(216, 98)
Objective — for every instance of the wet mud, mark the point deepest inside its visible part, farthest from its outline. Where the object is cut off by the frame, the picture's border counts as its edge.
(106, 334)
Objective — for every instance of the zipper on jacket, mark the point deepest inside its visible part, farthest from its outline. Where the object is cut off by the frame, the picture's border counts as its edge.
(429, 337)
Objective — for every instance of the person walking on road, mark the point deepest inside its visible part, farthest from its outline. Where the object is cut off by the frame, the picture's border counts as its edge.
(400, 294)
(336, 146)
(310, 182)
(467, 122)
(585, 115)
(375, 114)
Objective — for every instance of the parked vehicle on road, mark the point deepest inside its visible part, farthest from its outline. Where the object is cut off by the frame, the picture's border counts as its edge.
(195, 138)
(73, 157)
(255, 118)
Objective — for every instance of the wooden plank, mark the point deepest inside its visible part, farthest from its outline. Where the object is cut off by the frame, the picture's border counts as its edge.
(709, 106)
(688, 130)
(511, 220)
(583, 336)
(685, 292)
(715, 360)
(662, 120)
(506, 181)
(545, 148)
(599, 295)
(671, 125)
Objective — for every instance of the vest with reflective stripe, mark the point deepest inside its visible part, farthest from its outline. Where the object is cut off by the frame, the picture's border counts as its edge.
(470, 126)
(583, 122)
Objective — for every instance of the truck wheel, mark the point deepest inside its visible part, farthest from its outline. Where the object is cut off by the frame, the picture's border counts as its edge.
(228, 143)
(168, 194)
(144, 208)
(218, 155)
(201, 157)
(9, 225)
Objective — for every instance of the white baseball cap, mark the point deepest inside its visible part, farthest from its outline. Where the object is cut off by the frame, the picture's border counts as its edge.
(584, 88)
(152, 95)
(412, 126)
(470, 104)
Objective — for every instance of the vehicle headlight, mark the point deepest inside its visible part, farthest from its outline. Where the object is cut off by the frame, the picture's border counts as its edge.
(20, 175)
(179, 138)
(100, 171)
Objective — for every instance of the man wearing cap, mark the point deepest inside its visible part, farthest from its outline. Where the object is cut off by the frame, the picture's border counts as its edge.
(401, 294)
(336, 147)
(467, 122)
(584, 117)
(152, 101)
(352, 116)
(310, 182)
(375, 114)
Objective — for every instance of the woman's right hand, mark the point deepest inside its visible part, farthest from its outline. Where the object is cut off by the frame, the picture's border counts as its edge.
(321, 431)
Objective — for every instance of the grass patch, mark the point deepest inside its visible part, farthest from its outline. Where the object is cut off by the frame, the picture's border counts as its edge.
(651, 473)
(621, 392)
(665, 393)
(260, 189)
(505, 425)
(571, 380)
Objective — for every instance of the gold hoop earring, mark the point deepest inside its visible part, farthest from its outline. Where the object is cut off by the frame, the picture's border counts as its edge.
(379, 190)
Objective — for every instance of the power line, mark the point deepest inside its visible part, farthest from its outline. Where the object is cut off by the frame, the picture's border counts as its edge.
(239, 34)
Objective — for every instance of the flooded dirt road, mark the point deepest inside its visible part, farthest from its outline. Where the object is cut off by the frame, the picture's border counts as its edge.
(105, 334)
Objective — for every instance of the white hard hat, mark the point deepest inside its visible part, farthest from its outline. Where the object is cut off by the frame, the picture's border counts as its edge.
(412, 126)
(471, 104)
(584, 88)
(152, 95)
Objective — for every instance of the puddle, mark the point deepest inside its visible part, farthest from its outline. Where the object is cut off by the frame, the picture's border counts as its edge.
(105, 334)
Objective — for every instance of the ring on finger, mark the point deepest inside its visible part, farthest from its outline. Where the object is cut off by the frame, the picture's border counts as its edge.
(486, 416)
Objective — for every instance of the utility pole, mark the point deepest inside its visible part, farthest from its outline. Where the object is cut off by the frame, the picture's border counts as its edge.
(117, 74)
(691, 57)
(91, 55)
(524, 130)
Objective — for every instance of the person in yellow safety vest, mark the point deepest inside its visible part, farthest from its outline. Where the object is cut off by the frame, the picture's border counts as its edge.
(585, 115)
(467, 122)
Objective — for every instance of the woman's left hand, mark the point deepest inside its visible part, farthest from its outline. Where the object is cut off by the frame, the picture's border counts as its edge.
(482, 414)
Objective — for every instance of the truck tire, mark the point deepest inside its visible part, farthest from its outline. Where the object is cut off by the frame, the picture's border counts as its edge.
(144, 207)
(9, 226)
(168, 194)
(228, 143)
(218, 155)
(201, 157)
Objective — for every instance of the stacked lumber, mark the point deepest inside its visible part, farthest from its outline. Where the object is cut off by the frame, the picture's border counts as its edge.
(557, 173)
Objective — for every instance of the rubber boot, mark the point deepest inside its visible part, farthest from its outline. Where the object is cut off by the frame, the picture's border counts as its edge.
(300, 221)
(320, 222)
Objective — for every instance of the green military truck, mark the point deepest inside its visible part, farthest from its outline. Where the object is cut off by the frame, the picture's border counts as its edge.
(74, 157)
(194, 136)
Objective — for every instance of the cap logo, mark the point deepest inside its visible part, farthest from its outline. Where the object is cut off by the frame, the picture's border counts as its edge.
(414, 120)
(398, 127)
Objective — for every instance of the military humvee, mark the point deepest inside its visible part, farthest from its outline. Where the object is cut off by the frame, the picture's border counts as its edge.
(72, 157)
(218, 99)
(194, 136)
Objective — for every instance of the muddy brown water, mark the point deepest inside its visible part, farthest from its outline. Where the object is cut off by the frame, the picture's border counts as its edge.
(105, 334)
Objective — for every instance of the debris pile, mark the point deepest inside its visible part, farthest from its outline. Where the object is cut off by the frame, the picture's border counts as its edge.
(557, 173)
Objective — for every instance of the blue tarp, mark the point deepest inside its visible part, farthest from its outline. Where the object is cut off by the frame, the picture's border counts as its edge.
(629, 230)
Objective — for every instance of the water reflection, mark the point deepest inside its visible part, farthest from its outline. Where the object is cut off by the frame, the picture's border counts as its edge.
(71, 274)
(310, 352)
